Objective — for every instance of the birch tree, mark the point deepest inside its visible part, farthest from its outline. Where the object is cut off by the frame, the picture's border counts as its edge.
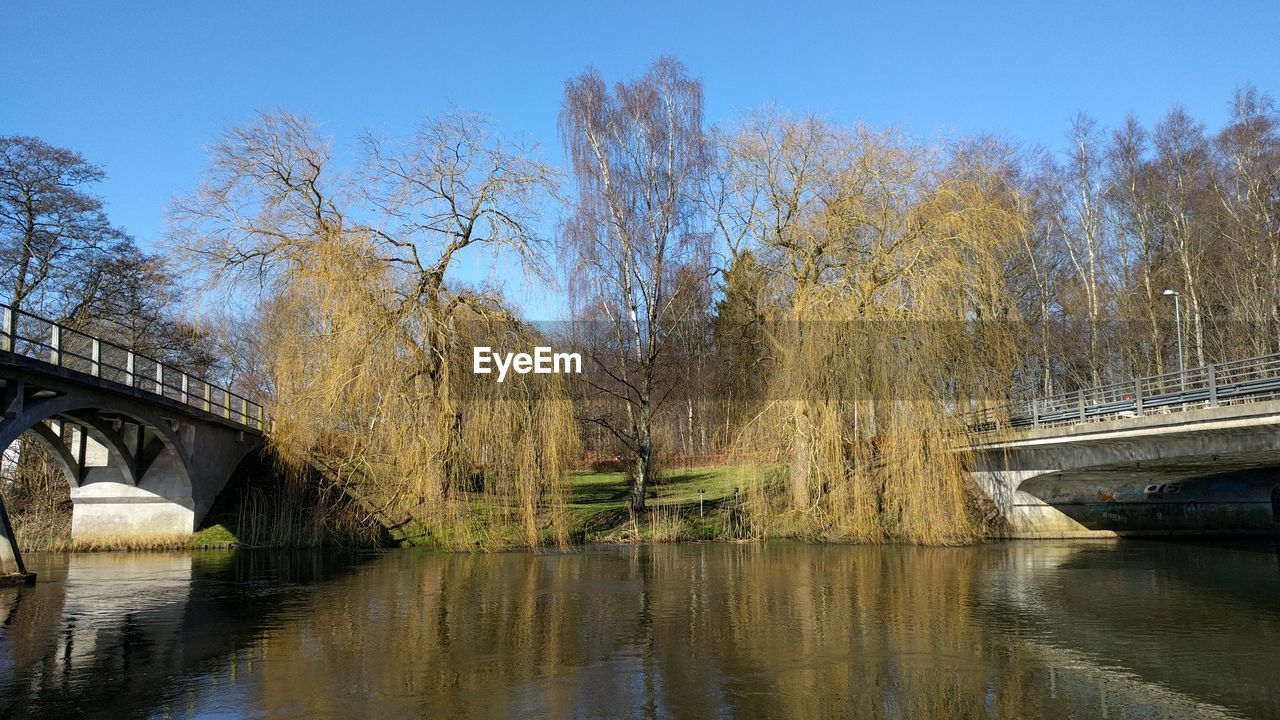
(1182, 153)
(1081, 226)
(639, 157)
(1248, 195)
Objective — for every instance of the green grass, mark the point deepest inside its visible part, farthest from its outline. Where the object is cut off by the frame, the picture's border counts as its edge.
(598, 511)
(214, 536)
(598, 506)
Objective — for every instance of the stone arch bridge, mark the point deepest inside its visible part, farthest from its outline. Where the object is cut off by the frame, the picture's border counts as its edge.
(145, 447)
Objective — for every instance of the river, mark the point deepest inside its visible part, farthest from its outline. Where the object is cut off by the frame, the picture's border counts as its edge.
(1122, 629)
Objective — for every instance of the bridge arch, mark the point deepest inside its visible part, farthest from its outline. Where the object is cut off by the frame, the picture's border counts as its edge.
(58, 452)
(140, 469)
(100, 442)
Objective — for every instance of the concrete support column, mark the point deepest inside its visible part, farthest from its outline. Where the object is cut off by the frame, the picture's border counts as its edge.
(107, 510)
(129, 517)
(10, 555)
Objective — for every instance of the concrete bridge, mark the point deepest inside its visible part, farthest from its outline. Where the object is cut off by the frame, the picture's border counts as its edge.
(145, 447)
(1194, 452)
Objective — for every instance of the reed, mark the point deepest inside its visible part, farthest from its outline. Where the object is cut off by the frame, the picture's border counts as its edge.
(37, 496)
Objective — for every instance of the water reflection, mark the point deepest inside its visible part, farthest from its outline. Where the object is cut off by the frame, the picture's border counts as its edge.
(1117, 630)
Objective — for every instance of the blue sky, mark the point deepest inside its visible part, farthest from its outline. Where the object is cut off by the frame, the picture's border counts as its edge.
(143, 87)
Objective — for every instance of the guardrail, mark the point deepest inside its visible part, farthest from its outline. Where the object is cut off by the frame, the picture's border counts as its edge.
(1233, 382)
(32, 336)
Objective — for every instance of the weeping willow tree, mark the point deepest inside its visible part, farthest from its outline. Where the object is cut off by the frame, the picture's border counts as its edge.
(367, 342)
(889, 259)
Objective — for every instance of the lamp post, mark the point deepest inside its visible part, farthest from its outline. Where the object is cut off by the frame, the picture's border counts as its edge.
(1177, 313)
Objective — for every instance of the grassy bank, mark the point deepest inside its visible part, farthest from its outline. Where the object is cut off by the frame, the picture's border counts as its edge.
(257, 510)
(598, 507)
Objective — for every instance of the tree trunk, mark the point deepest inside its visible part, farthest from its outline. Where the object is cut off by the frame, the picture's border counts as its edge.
(801, 459)
(639, 481)
(642, 469)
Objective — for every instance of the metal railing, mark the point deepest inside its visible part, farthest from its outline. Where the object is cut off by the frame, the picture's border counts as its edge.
(32, 336)
(1237, 381)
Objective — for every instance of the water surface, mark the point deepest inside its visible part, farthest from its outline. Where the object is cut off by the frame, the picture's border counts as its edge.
(1130, 629)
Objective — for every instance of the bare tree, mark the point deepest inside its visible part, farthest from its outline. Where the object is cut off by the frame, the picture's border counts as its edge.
(1248, 195)
(1143, 247)
(1036, 273)
(273, 196)
(640, 159)
(1083, 230)
(358, 267)
(51, 227)
(135, 298)
(1182, 152)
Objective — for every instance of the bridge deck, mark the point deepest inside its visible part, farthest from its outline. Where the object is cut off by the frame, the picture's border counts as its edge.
(1133, 402)
(39, 345)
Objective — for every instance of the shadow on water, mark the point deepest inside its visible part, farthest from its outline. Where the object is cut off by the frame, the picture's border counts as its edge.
(1022, 629)
(115, 634)
(1191, 618)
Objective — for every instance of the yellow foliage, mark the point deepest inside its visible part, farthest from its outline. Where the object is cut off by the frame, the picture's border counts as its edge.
(381, 396)
(895, 315)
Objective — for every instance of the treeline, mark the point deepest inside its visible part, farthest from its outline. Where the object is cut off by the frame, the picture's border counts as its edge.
(1111, 223)
(63, 259)
(812, 301)
(838, 293)
(1130, 212)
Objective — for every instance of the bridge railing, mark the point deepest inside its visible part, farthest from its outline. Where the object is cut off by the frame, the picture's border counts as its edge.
(1233, 382)
(32, 336)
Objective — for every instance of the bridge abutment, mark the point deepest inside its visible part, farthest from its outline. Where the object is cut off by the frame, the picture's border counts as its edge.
(1024, 514)
(104, 512)
(171, 496)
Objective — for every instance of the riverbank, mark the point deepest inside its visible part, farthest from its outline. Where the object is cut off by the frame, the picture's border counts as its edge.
(53, 535)
(695, 504)
(261, 506)
(687, 505)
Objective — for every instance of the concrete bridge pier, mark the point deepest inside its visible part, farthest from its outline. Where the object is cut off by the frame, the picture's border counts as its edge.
(158, 495)
(11, 564)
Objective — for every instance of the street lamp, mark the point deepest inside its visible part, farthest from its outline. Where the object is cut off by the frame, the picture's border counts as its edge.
(1177, 313)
